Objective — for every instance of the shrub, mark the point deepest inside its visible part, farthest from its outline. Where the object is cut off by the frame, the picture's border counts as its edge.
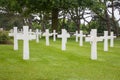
(4, 38)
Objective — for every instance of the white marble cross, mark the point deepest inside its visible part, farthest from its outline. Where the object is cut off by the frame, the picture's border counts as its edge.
(47, 35)
(106, 38)
(31, 33)
(64, 37)
(37, 33)
(40, 33)
(93, 39)
(54, 35)
(76, 34)
(1, 29)
(81, 37)
(112, 39)
(22, 36)
(25, 43)
(14, 34)
(26, 37)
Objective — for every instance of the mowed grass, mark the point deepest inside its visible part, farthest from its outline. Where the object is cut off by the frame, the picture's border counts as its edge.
(51, 63)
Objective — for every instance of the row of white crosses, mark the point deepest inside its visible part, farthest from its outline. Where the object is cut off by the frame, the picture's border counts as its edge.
(47, 35)
(25, 37)
(64, 37)
(106, 38)
(54, 35)
(76, 34)
(93, 39)
(38, 34)
(79, 35)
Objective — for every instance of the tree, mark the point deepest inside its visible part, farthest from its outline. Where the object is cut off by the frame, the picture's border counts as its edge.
(115, 4)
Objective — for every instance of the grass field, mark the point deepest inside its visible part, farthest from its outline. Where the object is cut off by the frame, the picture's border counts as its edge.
(50, 63)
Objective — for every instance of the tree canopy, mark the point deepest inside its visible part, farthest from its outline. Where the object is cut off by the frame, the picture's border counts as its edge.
(58, 13)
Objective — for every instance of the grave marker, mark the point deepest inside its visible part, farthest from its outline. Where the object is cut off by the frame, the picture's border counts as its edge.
(112, 39)
(106, 38)
(47, 35)
(26, 37)
(81, 37)
(25, 43)
(13, 32)
(54, 35)
(37, 33)
(40, 33)
(30, 33)
(1, 29)
(93, 39)
(76, 34)
(64, 37)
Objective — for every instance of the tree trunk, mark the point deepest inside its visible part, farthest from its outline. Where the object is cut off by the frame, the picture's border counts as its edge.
(63, 22)
(107, 22)
(78, 28)
(78, 25)
(114, 22)
(54, 19)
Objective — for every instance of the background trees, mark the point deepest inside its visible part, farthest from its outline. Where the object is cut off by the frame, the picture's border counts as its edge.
(57, 14)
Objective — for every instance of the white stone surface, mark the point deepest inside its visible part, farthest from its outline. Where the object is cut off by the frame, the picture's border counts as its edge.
(47, 35)
(112, 39)
(54, 35)
(76, 34)
(22, 36)
(93, 39)
(1, 29)
(26, 37)
(25, 43)
(81, 38)
(64, 37)
(106, 38)
(38, 34)
(13, 33)
(31, 33)
(15, 39)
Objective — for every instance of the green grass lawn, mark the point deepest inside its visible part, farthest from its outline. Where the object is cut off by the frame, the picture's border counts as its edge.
(50, 63)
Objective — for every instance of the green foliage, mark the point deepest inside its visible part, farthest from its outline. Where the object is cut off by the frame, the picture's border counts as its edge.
(36, 25)
(4, 38)
(46, 8)
(72, 27)
(8, 21)
(97, 7)
(84, 28)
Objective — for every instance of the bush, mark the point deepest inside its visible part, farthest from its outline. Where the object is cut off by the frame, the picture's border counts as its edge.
(4, 38)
